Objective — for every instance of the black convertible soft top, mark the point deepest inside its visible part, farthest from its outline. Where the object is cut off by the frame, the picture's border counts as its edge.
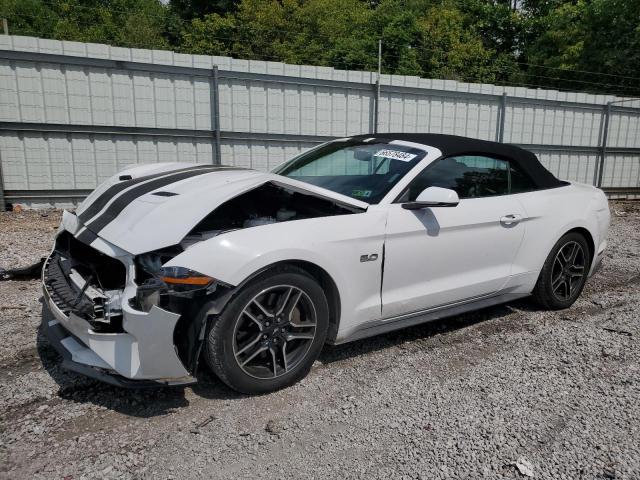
(453, 145)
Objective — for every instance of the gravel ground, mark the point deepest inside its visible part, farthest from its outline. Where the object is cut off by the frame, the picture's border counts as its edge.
(508, 392)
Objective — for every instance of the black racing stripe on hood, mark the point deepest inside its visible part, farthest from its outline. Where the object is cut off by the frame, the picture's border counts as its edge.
(87, 236)
(120, 203)
(113, 190)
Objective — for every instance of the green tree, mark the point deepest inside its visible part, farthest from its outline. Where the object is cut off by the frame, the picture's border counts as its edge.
(612, 41)
(548, 43)
(133, 23)
(450, 49)
(319, 32)
(29, 17)
(575, 38)
(211, 35)
(190, 9)
(398, 26)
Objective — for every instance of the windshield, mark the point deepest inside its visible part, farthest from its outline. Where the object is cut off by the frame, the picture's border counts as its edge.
(364, 171)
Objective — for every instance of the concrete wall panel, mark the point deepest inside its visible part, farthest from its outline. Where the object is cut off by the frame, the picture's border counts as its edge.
(258, 102)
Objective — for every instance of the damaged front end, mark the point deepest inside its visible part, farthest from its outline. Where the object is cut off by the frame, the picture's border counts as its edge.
(87, 283)
(108, 326)
(129, 319)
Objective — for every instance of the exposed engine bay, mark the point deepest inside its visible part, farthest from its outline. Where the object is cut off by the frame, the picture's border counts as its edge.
(264, 205)
(267, 204)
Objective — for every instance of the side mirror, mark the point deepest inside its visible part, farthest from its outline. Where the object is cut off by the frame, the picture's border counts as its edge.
(433, 197)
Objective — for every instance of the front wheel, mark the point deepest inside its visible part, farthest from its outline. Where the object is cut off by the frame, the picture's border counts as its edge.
(564, 273)
(269, 334)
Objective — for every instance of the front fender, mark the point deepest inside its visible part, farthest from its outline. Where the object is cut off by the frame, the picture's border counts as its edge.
(334, 244)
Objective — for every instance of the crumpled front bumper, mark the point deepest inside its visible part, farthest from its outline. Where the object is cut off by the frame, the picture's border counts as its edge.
(142, 354)
(66, 345)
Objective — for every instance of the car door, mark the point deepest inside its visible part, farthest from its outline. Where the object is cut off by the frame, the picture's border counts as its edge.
(444, 255)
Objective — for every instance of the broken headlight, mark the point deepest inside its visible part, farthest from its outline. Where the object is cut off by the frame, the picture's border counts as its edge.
(181, 279)
(172, 282)
(148, 294)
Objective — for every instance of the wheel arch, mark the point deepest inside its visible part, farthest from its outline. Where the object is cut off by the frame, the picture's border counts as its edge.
(588, 237)
(318, 273)
(541, 291)
(323, 278)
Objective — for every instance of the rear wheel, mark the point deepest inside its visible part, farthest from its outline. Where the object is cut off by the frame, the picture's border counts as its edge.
(270, 334)
(564, 273)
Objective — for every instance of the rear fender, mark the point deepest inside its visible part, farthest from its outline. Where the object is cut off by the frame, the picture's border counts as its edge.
(552, 213)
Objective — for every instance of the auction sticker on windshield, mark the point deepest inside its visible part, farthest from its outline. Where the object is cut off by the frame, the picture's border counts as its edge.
(396, 155)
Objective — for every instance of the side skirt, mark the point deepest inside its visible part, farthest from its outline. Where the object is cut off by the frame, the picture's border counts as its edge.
(378, 327)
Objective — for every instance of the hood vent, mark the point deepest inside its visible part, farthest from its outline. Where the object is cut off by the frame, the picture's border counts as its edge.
(165, 194)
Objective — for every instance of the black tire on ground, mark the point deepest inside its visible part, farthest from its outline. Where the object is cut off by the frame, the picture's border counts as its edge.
(231, 332)
(559, 284)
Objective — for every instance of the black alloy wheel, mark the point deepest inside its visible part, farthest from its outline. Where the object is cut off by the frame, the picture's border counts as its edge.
(569, 269)
(274, 331)
(270, 332)
(564, 272)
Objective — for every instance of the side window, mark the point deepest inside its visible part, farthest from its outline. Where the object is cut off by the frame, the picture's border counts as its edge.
(520, 181)
(471, 176)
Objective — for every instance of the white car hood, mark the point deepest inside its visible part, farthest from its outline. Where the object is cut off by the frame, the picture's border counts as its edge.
(158, 208)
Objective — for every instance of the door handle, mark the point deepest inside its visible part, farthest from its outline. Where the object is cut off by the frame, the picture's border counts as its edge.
(510, 220)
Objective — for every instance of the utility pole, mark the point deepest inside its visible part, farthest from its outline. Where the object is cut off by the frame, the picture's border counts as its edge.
(379, 58)
(377, 105)
(5, 26)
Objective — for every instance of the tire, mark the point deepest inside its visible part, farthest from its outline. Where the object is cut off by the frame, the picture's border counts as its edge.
(272, 315)
(562, 278)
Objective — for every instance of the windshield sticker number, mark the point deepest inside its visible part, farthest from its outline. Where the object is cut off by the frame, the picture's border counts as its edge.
(396, 155)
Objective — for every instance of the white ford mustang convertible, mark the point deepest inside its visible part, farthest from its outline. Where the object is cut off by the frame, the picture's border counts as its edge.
(167, 264)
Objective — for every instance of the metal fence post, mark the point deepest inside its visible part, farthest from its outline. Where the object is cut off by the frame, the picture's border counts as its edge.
(502, 112)
(603, 144)
(215, 115)
(3, 205)
(596, 166)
